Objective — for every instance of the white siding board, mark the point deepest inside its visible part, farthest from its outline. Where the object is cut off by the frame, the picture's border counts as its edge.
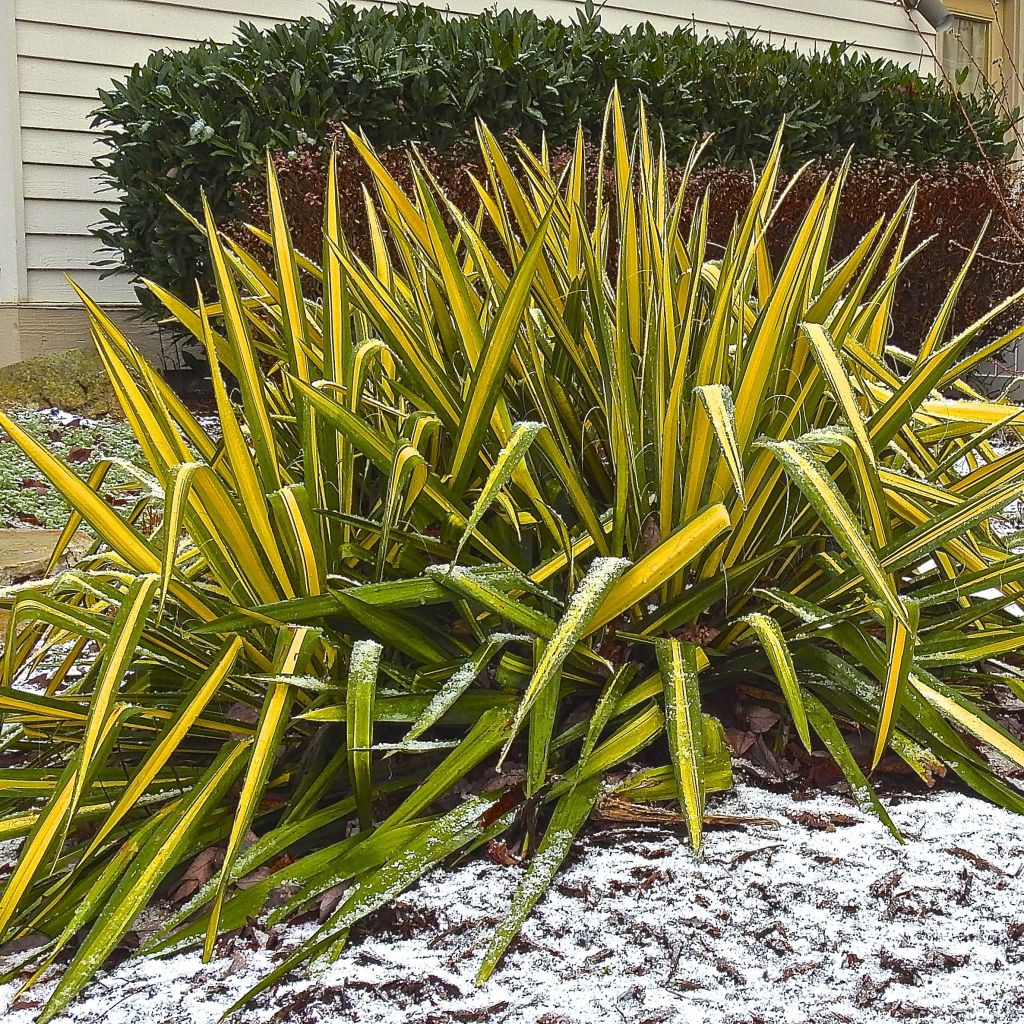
(161, 21)
(66, 78)
(57, 113)
(61, 216)
(61, 252)
(52, 286)
(279, 10)
(55, 181)
(92, 46)
(69, 148)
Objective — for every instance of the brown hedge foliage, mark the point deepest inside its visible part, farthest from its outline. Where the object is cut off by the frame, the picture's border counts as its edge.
(952, 206)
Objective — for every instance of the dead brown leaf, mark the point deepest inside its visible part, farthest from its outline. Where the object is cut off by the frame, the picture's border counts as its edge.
(822, 822)
(203, 867)
(329, 901)
(762, 719)
(498, 851)
(739, 741)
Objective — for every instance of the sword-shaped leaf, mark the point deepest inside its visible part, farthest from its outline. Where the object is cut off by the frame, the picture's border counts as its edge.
(574, 624)
(523, 435)
(661, 564)
(289, 659)
(838, 377)
(678, 663)
(457, 684)
(362, 686)
(485, 385)
(774, 643)
(861, 790)
(902, 639)
(167, 846)
(834, 511)
(717, 402)
(571, 812)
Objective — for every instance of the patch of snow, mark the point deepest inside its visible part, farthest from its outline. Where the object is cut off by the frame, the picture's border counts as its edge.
(790, 924)
(67, 419)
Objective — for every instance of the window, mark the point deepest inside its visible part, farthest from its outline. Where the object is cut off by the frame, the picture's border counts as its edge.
(965, 52)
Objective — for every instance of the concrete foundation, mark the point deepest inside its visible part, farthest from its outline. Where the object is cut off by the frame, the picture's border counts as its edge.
(29, 330)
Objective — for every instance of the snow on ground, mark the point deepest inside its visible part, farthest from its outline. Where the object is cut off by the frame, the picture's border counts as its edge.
(790, 924)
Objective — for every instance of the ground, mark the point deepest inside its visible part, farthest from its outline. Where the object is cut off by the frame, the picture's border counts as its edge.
(822, 918)
(27, 500)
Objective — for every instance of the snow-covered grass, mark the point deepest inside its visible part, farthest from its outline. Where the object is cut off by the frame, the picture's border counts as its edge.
(26, 499)
(787, 924)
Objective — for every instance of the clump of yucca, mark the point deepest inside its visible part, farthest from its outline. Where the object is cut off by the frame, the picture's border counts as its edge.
(518, 492)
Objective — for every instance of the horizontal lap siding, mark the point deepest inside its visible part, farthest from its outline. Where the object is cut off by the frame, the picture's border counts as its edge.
(69, 49)
(46, 181)
(51, 287)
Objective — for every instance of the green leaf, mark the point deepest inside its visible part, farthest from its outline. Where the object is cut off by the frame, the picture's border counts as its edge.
(362, 684)
(861, 790)
(165, 848)
(678, 663)
(573, 625)
(570, 813)
(774, 643)
(902, 640)
(509, 458)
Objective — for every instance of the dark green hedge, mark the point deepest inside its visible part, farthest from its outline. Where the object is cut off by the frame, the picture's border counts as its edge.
(201, 118)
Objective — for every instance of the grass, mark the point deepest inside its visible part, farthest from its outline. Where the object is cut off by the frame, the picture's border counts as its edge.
(27, 498)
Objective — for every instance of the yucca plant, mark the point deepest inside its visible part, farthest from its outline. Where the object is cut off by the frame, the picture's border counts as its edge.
(519, 492)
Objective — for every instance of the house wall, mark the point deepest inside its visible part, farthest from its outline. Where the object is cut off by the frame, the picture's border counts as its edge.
(56, 54)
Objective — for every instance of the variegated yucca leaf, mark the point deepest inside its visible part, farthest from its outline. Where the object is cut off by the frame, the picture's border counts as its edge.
(521, 487)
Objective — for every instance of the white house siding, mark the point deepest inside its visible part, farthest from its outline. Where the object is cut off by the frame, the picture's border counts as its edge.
(66, 51)
(56, 54)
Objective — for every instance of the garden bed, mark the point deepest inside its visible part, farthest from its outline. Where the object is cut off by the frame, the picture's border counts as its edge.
(821, 918)
(311, 700)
